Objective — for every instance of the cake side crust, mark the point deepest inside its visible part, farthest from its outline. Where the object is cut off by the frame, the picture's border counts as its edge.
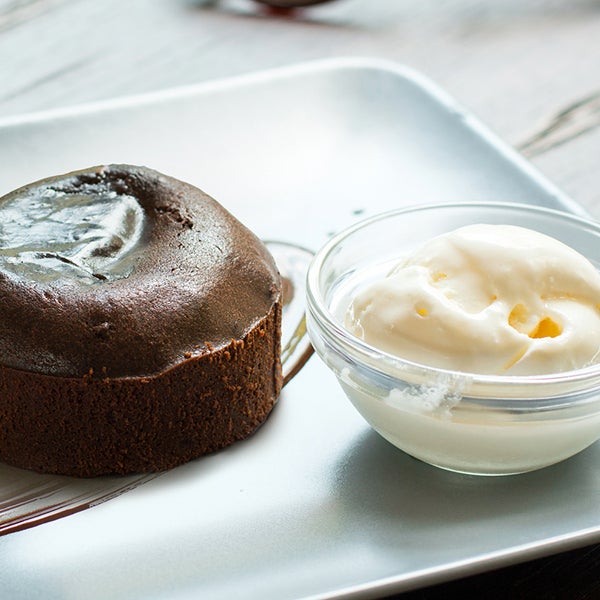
(93, 426)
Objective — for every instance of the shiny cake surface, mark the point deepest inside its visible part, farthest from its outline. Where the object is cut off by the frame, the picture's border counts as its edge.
(121, 271)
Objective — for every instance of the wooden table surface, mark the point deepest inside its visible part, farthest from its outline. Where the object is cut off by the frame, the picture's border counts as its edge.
(530, 69)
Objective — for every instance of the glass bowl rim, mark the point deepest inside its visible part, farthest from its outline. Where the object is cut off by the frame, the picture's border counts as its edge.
(583, 379)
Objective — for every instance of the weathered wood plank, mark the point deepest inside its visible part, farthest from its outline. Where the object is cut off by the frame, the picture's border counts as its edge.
(518, 66)
(14, 12)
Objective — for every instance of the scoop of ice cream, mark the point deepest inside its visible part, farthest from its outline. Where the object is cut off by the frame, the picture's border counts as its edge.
(487, 299)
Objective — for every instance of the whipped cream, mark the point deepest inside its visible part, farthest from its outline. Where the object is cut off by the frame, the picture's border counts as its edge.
(487, 299)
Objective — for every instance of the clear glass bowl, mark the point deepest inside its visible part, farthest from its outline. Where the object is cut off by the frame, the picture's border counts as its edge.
(470, 423)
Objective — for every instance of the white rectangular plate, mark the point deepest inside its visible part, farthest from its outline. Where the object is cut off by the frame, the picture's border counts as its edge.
(315, 504)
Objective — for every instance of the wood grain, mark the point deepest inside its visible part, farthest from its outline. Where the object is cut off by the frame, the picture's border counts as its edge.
(523, 68)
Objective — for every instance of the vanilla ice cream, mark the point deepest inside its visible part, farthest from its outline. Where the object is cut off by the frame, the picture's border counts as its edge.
(487, 299)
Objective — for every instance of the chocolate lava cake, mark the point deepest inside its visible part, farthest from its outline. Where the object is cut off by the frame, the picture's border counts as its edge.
(140, 324)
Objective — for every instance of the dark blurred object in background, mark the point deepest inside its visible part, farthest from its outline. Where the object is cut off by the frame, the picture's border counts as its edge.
(291, 3)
